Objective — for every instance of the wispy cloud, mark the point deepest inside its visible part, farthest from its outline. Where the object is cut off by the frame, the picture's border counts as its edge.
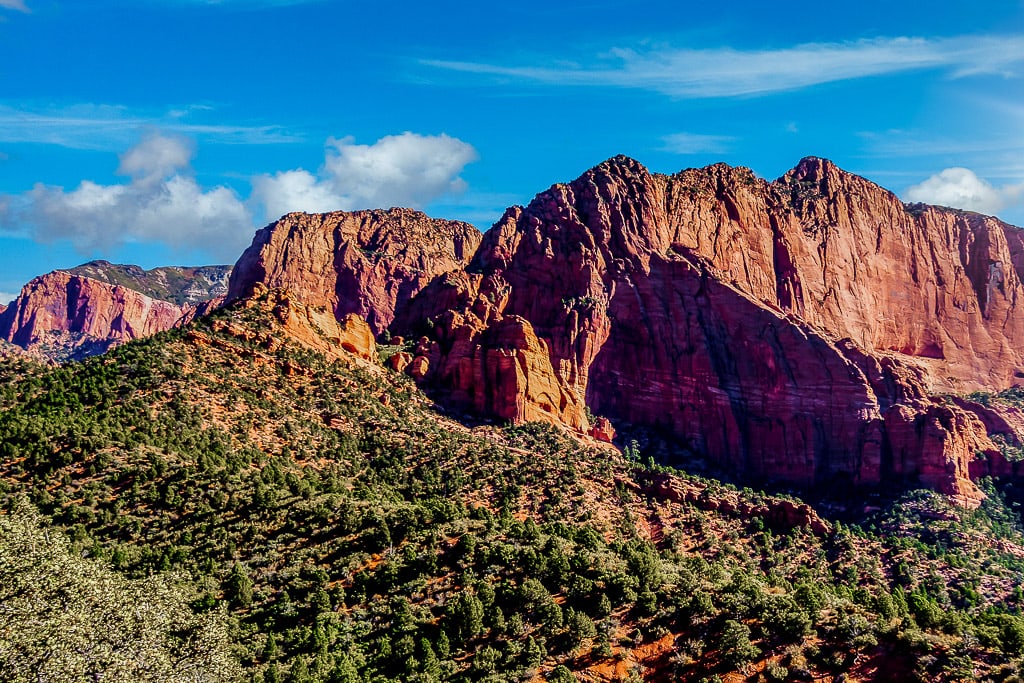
(108, 127)
(898, 143)
(14, 4)
(240, 4)
(728, 72)
(693, 143)
(7, 297)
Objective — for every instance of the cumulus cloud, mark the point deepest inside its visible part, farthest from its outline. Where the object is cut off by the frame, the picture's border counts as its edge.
(961, 188)
(7, 297)
(14, 4)
(157, 156)
(397, 170)
(160, 202)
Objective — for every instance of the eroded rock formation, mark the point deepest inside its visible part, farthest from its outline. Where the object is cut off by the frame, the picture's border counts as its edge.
(363, 262)
(312, 327)
(792, 330)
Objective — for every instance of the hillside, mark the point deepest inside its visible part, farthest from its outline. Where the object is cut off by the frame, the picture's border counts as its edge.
(357, 533)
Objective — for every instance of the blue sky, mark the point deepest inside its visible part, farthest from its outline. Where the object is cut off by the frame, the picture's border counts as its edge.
(166, 132)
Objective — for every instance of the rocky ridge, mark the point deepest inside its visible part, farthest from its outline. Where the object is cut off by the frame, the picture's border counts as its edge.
(182, 285)
(794, 330)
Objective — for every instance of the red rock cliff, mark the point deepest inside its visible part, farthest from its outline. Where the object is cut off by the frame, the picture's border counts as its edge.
(790, 330)
(363, 262)
(70, 316)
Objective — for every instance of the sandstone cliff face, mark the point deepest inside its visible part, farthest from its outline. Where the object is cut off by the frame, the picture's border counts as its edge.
(364, 262)
(791, 330)
(936, 285)
(70, 316)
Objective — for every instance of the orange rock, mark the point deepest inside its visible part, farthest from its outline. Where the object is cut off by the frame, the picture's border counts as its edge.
(419, 367)
(311, 327)
(400, 361)
(602, 430)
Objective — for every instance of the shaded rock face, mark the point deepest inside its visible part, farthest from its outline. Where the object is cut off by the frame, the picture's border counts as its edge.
(65, 316)
(791, 330)
(363, 262)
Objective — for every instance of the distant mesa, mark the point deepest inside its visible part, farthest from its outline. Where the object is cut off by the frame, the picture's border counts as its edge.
(180, 285)
(68, 315)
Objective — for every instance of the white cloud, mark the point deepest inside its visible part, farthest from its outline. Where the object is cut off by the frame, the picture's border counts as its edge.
(728, 72)
(7, 297)
(961, 188)
(157, 156)
(109, 127)
(297, 190)
(160, 202)
(397, 170)
(14, 4)
(692, 143)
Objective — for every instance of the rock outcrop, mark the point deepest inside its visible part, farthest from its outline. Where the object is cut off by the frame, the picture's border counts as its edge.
(780, 514)
(312, 327)
(363, 262)
(64, 316)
